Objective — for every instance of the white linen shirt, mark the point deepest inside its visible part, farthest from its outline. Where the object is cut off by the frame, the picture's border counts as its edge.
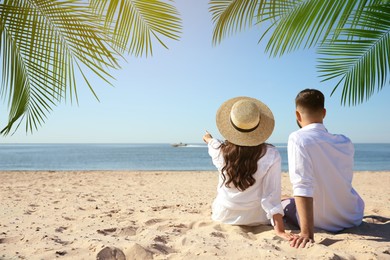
(258, 203)
(321, 167)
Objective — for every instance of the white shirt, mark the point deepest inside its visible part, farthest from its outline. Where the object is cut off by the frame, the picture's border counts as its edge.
(258, 203)
(321, 167)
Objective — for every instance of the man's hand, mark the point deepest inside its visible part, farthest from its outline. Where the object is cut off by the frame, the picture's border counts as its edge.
(301, 241)
(306, 216)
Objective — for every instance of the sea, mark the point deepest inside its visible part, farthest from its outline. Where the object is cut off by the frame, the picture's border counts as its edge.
(145, 157)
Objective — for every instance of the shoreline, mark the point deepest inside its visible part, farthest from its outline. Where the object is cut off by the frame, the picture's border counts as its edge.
(162, 215)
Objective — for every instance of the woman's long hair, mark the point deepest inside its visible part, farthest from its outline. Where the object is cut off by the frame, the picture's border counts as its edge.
(241, 164)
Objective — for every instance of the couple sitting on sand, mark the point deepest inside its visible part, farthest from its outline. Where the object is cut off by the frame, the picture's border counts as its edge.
(320, 170)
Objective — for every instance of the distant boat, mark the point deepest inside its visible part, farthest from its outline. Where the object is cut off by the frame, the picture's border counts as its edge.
(179, 145)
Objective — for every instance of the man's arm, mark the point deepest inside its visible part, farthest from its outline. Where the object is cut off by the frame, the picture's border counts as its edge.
(306, 221)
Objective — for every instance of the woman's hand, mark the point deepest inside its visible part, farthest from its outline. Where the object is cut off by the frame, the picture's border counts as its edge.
(278, 224)
(286, 236)
(207, 137)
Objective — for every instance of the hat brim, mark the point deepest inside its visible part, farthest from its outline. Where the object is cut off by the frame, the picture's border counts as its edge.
(258, 136)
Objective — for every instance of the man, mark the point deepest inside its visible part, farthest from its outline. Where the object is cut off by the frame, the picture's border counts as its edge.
(321, 170)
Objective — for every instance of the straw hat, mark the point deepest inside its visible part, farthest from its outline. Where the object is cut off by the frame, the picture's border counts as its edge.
(245, 121)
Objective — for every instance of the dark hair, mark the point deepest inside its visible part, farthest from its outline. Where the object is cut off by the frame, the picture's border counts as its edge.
(311, 99)
(241, 164)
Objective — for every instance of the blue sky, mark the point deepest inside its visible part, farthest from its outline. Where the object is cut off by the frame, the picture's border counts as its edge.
(173, 96)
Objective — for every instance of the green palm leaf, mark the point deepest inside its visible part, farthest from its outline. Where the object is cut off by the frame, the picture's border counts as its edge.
(134, 23)
(307, 23)
(363, 62)
(40, 43)
(352, 33)
(46, 43)
(231, 16)
(293, 23)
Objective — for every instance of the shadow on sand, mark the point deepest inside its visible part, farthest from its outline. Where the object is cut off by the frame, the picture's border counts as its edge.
(376, 227)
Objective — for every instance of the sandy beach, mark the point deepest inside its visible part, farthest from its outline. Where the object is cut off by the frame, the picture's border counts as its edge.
(162, 215)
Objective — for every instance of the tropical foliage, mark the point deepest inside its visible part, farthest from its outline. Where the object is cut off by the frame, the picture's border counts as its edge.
(352, 36)
(45, 44)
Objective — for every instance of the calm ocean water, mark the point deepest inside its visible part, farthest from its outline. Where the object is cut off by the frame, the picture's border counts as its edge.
(368, 157)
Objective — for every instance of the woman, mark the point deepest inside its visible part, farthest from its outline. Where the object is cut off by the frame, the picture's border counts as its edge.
(249, 185)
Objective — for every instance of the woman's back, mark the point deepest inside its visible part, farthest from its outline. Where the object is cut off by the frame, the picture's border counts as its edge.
(258, 199)
(249, 186)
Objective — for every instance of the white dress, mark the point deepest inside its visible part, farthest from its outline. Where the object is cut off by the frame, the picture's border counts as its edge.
(258, 203)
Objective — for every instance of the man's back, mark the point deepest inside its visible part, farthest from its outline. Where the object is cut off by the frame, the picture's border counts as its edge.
(321, 166)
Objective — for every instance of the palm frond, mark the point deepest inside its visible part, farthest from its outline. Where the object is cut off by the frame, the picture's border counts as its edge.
(293, 23)
(13, 75)
(352, 36)
(40, 42)
(135, 23)
(307, 23)
(360, 56)
(231, 16)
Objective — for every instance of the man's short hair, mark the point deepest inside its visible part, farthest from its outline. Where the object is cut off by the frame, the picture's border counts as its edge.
(311, 99)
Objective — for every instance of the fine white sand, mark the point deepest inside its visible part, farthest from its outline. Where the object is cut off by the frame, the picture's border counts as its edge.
(162, 215)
